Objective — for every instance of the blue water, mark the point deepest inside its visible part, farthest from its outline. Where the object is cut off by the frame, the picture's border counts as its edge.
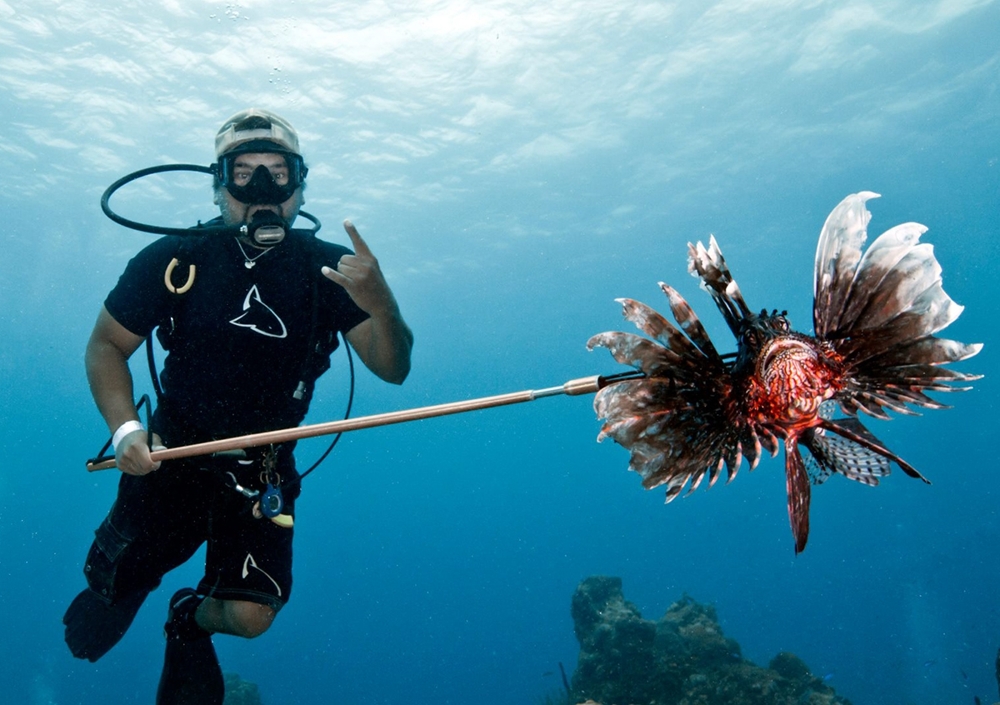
(516, 166)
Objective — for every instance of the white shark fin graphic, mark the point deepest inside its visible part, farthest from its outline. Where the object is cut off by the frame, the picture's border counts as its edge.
(249, 563)
(259, 317)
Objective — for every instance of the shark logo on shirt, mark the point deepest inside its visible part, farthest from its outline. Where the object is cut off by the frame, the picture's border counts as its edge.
(259, 317)
(249, 563)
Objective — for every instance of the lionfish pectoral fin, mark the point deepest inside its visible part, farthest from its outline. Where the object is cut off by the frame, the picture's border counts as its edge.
(830, 453)
(797, 484)
(854, 430)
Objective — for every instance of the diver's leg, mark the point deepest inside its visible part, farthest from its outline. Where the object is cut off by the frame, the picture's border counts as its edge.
(191, 673)
(248, 569)
(235, 617)
(127, 560)
(247, 580)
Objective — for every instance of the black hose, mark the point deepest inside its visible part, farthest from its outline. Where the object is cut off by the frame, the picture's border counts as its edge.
(162, 230)
(101, 457)
(347, 414)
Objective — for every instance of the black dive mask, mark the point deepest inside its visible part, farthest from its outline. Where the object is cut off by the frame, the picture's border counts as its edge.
(261, 189)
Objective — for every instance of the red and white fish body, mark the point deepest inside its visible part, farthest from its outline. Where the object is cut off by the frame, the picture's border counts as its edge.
(873, 349)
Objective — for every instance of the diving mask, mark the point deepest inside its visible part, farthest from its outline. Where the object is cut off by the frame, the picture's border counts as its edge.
(261, 186)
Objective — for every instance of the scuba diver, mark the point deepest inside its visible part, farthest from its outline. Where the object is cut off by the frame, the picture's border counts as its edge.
(248, 309)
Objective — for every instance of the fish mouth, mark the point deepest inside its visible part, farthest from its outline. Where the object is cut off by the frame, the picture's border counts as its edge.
(781, 351)
(791, 372)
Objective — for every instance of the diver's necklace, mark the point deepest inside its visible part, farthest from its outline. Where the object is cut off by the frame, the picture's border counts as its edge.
(249, 262)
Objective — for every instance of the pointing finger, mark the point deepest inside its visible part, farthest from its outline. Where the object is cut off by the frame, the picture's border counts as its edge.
(360, 246)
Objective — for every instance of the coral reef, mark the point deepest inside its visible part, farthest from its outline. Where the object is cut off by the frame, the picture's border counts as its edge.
(241, 692)
(683, 659)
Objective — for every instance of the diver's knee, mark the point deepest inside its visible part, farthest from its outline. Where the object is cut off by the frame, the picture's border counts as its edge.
(250, 619)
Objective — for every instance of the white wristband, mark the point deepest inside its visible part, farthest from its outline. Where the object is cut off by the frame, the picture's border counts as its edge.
(125, 429)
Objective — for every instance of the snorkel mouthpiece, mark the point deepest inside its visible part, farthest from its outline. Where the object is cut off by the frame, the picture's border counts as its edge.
(266, 228)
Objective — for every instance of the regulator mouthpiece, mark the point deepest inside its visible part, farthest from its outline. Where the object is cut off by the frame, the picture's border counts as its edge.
(267, 228)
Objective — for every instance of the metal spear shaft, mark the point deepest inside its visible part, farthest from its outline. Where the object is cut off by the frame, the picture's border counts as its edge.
(574, 387)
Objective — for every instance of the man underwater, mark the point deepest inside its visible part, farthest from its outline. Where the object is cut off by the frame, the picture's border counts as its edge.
(249, 321)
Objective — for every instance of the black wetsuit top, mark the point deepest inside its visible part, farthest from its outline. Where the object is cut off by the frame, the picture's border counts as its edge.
(238, 341)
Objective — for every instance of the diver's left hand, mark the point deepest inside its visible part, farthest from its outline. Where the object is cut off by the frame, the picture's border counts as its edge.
(362, 278)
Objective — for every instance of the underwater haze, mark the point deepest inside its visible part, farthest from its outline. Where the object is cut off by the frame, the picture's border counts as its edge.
(516, 166)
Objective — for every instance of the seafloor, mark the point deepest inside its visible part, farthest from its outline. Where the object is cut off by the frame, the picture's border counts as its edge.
(682, 659)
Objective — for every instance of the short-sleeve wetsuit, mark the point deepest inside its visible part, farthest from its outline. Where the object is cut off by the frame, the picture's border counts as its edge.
(245, 346)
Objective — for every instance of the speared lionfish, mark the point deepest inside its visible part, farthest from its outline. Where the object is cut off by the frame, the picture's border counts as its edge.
(873, 350)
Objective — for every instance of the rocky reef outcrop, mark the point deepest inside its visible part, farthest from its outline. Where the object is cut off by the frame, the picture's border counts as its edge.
(683, 659)
(241, 692)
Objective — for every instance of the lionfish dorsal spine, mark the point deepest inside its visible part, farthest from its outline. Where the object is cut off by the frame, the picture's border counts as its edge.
(837, 255)
(709, 266)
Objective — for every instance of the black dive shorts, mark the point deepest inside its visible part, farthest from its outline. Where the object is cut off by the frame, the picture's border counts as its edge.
(160, 520)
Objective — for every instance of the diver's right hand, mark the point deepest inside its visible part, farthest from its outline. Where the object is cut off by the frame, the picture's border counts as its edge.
(132, 453)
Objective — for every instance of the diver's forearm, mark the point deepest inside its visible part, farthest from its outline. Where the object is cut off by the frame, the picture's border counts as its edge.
(110, 383)
(390, 346)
